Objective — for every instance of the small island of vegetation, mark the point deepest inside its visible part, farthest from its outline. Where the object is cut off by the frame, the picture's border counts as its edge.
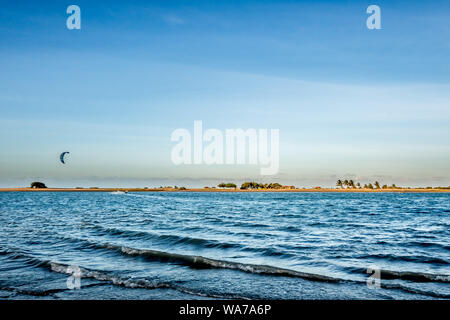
(38, 185)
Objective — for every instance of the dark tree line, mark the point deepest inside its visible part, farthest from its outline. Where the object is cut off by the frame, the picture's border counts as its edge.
(38, 185)
(256, 185)
(227, 185)
(351, 184)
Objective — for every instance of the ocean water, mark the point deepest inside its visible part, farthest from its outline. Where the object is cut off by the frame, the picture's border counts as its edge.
(224, 245)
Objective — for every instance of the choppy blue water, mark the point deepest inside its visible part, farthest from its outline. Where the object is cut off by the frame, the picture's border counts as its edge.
(224, 245)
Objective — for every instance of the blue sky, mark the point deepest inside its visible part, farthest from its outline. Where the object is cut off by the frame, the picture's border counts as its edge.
(349, 102)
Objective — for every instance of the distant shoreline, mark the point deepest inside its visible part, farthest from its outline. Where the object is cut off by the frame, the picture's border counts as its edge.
(349, 190)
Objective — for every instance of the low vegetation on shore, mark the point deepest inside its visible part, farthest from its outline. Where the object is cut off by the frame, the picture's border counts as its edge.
(254, 186)
(344, 184)
(341, 186)
(350, 184)
(38, 185)
(227, 185)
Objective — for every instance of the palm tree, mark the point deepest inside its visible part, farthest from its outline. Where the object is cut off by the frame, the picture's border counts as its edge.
(377, 185)
(346, 182)
(358, 185)
(339, 183)
(351, 183)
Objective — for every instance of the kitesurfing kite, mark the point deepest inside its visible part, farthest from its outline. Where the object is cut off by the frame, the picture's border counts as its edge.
(61, 156)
